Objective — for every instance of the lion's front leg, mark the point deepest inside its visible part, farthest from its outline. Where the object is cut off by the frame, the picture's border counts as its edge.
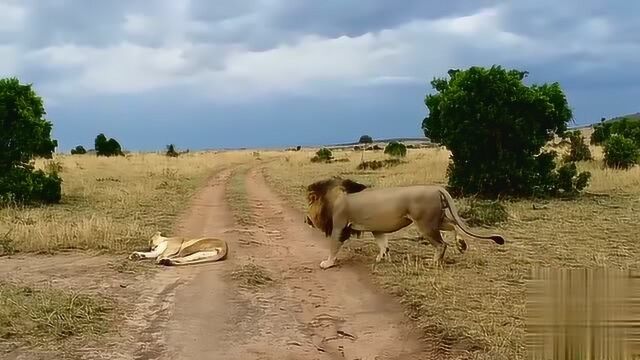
(335, 245)
(383, 246)
(139, 255)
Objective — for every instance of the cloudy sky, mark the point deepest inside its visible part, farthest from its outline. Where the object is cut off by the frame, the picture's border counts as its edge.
(208, 74)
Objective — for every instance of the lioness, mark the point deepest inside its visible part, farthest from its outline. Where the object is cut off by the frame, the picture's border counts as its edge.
(342, 207)
(180, 251)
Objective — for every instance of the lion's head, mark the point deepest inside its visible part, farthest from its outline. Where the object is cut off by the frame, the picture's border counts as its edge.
(321, 195)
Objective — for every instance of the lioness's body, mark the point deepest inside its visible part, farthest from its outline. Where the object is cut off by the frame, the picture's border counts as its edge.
(181, 251)
(342, 207)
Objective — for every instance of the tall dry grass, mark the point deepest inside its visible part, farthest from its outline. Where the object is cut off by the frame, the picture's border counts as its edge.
(113, 204)
(475, 308)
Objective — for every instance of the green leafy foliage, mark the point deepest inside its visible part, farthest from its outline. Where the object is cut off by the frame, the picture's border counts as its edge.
(322, 155)
(627, 127)
(396, 149)
(107, 147)
(78, 150)
(579, 150)
(495, 127)
(620, 152)
(365, 139)
(25, 135)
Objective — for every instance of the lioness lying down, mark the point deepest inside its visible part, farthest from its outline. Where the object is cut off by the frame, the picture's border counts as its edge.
(180, 251)
(342, 207)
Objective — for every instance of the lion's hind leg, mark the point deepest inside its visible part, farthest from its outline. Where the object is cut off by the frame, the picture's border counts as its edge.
(448, 225)
(195, 258)
(435, 238)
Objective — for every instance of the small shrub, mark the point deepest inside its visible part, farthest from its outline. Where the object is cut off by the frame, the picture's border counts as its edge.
(322, 155)
(171, 151)
(78, 150)
(569, 181)
(579, 150)
(396, 149)
(357, 148)
(484, 213)
(620, 152)
(377, 164)
(376, 147)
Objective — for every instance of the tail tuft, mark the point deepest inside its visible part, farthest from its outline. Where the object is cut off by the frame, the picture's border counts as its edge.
(498, 239)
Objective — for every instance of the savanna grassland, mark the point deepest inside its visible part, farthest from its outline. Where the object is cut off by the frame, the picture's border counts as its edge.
(110, 206)
(477, 302)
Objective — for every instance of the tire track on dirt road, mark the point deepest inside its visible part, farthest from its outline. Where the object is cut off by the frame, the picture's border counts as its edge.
(337, 312)
(191, 301)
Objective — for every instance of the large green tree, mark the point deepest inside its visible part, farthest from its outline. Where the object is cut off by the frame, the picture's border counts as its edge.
(24, 135)
(495, 126)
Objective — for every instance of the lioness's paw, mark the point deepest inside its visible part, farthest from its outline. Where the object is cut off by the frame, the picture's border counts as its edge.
(135, 256)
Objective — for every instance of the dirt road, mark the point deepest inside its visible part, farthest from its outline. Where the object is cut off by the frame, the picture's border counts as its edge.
(199, 312)
(307, 313)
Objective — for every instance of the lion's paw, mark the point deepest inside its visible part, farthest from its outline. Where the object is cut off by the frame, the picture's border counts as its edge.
(135, 256)
(325, 264)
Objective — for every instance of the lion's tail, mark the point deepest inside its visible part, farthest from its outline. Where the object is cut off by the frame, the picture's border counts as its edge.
(498, 239)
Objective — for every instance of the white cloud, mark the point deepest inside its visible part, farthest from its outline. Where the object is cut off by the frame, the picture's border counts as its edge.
(413, 52)
(12, 16)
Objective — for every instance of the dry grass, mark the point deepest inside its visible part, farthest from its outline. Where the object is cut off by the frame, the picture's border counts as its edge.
(476, 306)
(46, 316)
(111, 204)
(250, 275)
(236, 197)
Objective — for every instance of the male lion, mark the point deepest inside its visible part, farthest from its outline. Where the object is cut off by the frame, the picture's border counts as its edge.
(180, 251)
(342, 207)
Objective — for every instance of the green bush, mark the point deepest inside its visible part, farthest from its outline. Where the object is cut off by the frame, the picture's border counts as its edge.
(495, 127)
(107, 147)
(23, 185)
(396, 149)
(25, 135)
(78, 150)
(322, 155)
(484, 213)
(629, 128)
(620, 152)
(579, 150)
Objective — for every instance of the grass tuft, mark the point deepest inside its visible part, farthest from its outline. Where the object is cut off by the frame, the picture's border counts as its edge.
(251, 275)
(33, 316)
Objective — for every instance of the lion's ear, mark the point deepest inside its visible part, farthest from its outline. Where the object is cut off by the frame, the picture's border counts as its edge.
(312, 198)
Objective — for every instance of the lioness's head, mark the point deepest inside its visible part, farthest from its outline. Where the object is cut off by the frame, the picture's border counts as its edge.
(320, 197)
(155, 240)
